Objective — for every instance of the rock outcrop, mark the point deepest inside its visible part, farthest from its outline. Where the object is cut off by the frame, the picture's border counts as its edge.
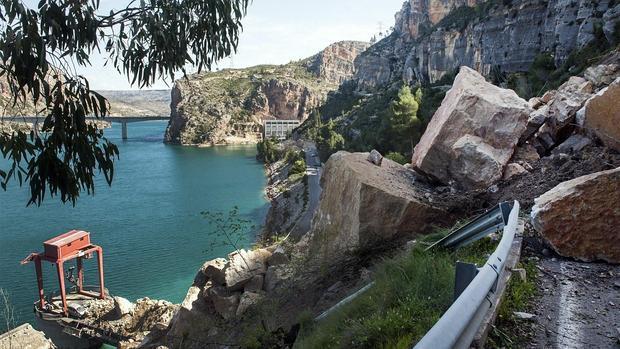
(229, 106)
(431, 38)
(580, 218)
(601, 115)
(25, 337)
(473, 135)
(381, 204)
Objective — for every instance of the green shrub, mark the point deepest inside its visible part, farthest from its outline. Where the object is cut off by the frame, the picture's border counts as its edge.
(267, 151)
(397, 157)
(410, 294)
(299, 166)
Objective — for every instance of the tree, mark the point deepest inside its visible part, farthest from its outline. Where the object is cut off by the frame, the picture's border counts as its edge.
(229, 230)
(41, 49)
(404, 124)
(328, 140)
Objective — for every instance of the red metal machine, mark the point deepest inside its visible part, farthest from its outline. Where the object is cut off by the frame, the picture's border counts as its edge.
(71, 245)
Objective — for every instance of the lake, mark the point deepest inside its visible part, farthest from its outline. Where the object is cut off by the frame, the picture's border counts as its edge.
(149, 222)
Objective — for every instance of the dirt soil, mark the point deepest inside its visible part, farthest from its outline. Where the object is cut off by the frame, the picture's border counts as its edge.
(551, 171)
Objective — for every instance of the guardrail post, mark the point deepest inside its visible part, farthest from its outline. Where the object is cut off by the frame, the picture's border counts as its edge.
(464, 274)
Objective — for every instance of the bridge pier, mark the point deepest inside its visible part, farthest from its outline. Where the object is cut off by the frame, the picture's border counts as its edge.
(35, 128)
(124, 132)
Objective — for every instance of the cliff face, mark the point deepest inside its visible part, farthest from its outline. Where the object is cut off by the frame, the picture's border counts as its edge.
(434, 37)
(229, 106)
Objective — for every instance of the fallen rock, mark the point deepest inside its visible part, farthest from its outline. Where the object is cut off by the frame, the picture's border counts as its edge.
(603, 74)
(548, 96)
(573, 144)
(523, 316)
(478, 124)
(214, 270)
(243, 265)
(278, 257)
(255, 284)
(535, 102)
(512, 170)
(375, 157)
(362, 205)
(25, 337)
(275, 276)
(525, 155)
(601, 115)
(247, 301)
(536, 119)
(224, 302)
(580, 218)
(569, 98)
(123, 307)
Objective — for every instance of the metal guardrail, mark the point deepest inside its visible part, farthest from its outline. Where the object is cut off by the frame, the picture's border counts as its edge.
(483, 225)
(459, 324)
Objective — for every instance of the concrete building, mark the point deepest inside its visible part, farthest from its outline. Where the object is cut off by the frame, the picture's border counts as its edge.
(279, 129)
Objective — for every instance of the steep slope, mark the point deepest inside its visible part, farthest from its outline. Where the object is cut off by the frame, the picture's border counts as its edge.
(433, 37)
(529, 46)
(229, 106)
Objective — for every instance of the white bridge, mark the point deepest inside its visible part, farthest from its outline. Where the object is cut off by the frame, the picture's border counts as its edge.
(123, 120)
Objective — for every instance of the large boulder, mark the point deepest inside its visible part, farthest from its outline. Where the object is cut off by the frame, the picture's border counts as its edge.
(214, 270)
(224, 301)
(362, 205)
(580, 218)
(243, 265)
(473, 134)
(601, 115)
(123, 307)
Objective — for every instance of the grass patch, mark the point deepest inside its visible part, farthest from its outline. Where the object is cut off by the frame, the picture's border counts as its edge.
(508, 331)
(411, 293)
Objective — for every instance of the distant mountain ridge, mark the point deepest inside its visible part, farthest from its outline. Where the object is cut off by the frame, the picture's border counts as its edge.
(138, 102)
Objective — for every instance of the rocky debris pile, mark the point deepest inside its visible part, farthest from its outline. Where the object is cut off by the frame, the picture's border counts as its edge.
(553, 120)
(473, 134)
(381, 203)
(133, 321)
(227, 289)
(586, 105)
(25, 337)
(580, 218)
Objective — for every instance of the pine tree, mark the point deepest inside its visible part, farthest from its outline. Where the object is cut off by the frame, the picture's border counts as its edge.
(404, 122)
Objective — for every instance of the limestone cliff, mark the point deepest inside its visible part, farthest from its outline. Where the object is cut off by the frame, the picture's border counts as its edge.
(229, 106)
(434, 37)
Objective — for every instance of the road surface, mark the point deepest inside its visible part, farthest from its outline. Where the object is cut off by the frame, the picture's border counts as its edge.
(313, 171)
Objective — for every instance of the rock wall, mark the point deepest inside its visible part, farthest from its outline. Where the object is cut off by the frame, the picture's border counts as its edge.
(336, 62)
(229, 106)
(429, 41)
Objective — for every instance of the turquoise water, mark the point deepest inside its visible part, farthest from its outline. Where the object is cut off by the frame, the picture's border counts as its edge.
(148, 223)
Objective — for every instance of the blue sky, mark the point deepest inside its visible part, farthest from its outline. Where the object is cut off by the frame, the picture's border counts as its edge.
(278, 31)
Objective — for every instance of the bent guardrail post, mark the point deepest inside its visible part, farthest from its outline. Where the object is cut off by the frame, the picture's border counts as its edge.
(459, 324)
(483, 225)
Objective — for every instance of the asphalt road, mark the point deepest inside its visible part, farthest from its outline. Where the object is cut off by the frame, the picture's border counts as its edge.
(313, 170)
